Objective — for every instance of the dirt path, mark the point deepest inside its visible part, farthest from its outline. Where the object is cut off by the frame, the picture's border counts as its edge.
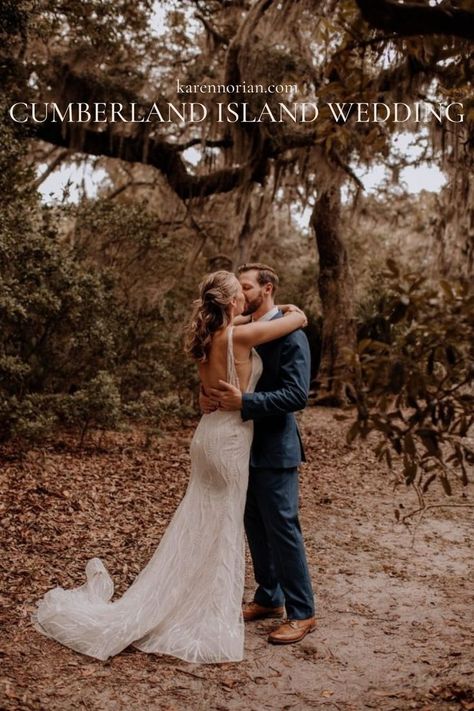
(394, 603)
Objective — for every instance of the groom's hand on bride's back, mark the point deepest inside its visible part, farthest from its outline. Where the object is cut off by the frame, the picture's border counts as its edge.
(228, 396)
(207, 403)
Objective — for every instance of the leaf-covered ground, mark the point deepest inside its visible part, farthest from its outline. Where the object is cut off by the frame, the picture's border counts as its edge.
(394, 601)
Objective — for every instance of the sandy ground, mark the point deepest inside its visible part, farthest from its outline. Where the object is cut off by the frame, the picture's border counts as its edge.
(394, 601)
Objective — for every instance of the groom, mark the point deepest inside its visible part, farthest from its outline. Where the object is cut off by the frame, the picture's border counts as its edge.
(271, 513)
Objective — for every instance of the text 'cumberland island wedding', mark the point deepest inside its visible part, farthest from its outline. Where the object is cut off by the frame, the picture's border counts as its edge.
(237, 112)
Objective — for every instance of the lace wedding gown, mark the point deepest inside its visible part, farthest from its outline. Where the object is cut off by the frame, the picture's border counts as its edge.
(187, 600)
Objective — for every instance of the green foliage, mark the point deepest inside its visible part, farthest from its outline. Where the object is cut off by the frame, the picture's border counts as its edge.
(158, 412)
(415, 388)
(146, 257)
(74, 350)
(98, 402)
(113, 30)
(59, 325)
(70, 351)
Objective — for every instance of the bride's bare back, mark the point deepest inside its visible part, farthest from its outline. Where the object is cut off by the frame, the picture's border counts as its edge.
(215, 367)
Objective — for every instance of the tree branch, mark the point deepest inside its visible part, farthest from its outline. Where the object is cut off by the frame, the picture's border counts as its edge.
(217, 36)
(130, 184)
(410, 19)
(140, 149)
(346, 168)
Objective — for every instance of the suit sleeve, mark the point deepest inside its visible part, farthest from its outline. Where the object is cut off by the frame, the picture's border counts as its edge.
(292, 395)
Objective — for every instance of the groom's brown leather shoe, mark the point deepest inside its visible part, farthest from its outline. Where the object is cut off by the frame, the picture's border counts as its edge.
(254, 611)
(292, 631)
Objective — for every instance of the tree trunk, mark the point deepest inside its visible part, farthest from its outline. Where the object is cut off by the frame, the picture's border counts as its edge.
(335, 378)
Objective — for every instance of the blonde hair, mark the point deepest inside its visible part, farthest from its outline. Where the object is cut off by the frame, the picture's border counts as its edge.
(210, 312)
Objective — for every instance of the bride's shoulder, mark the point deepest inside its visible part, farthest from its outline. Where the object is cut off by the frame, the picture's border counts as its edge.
(221, 335)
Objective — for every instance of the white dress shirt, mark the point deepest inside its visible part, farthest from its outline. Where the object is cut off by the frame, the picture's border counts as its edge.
(269, 315)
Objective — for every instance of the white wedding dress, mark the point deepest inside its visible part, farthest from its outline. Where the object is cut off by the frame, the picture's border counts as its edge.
(187, 600)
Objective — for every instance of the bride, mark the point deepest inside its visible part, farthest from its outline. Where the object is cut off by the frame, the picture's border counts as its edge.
(187, 600)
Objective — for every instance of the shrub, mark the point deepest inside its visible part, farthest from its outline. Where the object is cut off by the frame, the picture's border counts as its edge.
(415, 389)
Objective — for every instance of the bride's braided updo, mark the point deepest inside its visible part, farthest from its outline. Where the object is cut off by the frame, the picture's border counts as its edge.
(210, 312)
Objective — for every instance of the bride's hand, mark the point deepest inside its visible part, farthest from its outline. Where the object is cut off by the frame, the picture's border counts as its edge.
(291, 308)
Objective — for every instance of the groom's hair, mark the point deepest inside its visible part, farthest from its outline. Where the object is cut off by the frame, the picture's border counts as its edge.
(265, 275)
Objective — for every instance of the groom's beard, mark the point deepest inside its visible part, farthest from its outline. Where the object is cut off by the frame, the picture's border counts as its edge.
(252, 306)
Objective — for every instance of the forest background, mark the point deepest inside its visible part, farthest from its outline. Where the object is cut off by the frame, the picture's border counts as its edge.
(95, 292)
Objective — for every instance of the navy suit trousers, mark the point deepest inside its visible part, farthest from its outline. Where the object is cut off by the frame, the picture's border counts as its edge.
(276, 542)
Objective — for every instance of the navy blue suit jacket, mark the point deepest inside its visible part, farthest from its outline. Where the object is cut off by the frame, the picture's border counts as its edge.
(281, 390)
